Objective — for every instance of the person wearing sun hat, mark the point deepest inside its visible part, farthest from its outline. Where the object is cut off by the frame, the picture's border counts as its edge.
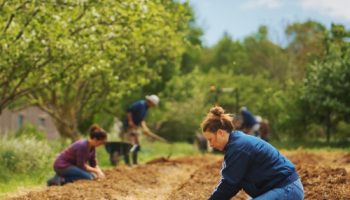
(134, 121)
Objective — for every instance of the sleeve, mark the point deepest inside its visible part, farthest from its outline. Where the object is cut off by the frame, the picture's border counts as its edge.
(224, 191)
(135, 106)
(233, 170)
(92, 159)
(81, 157)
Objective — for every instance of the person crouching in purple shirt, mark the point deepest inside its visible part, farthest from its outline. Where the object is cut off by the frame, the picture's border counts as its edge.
(78, 161)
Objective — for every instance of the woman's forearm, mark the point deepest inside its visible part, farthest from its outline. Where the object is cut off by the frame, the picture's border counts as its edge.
(91, 169)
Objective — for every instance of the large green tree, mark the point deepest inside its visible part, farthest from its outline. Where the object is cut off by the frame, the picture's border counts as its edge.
(265, 58)
(327, 86)
(98, 51)
(306, 45)
(226, 55)
(22, 57)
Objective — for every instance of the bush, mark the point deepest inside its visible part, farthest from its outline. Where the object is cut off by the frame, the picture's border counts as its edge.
(176, 131)
(188, 98)
(31, 131)
(23, 155)
(343, 133)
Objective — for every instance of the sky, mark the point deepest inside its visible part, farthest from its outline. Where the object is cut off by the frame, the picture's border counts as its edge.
(240, 18)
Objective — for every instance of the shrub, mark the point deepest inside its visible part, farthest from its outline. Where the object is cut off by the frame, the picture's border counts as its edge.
(31, 131)
(24, 154)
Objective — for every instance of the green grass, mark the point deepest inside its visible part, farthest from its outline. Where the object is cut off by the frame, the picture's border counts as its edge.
(20, 181)
(152, 150)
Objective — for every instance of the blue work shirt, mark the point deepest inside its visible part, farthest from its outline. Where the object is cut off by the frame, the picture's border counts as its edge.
(248, 119)
(138, 112)
(250, 164)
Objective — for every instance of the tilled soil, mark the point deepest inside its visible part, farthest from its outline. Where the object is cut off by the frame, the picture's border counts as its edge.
(325, 175)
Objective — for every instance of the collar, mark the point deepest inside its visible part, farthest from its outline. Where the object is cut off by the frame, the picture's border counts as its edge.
(230, 138)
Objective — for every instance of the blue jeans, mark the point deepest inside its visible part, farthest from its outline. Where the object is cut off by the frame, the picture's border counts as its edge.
(293, 191)
(73, 173)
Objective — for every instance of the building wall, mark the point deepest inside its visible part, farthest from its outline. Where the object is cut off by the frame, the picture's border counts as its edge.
(11, 121)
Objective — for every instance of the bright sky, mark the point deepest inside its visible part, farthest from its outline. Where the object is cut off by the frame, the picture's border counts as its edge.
(242, 17)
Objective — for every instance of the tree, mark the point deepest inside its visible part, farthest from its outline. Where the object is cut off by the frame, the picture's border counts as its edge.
(326, 89)
(226, 55)
(191, 57)
(99, 52)
(265, 57)
(22, 57)
(165, 55)
(307, 44)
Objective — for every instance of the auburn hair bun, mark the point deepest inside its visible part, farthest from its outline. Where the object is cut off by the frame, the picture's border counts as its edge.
(217, 111)
(94, 128)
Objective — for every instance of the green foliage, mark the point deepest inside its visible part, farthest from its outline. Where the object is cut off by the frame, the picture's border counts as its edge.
(188, 98)
(86, 54)
(22, 155)
(265, 58)
(343, 133)
(191, 56)
(31, 131)
(226, 55)
(83, 62)
(176, 131)
(326, 89)
(282, 107)
(19, 169)
(181, 96)
(307, 44)
(256, 56)
(22, 57)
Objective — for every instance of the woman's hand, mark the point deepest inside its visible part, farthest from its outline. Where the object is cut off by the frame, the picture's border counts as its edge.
(100, 174)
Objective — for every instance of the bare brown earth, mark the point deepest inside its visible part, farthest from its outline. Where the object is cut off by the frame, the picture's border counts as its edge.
(325, 175)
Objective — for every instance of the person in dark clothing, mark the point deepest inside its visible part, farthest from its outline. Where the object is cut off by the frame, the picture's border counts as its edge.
(78, 161)
(135, 119)
(249, 163)
(249, 125)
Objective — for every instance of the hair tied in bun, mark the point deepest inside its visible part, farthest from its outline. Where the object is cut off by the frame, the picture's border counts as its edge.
(217, 111)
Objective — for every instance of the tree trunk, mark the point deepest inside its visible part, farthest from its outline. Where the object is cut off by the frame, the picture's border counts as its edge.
(69, 131)
(64, 118)
(328, 127)
(67, 123)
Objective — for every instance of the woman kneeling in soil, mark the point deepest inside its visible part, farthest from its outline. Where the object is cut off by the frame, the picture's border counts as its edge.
(71, 164)
(250, 163)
